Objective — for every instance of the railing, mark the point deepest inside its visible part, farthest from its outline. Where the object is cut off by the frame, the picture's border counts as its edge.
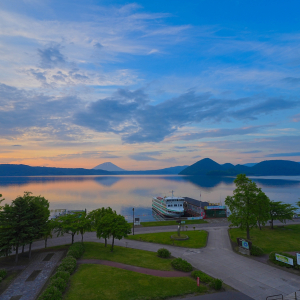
(293, 296)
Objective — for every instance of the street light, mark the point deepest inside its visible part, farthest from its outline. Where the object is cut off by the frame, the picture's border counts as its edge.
(133, 221)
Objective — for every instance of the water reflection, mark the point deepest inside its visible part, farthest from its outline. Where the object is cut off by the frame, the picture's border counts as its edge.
(122, 193)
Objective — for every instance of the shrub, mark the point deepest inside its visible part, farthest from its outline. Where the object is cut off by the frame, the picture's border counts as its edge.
(202, 276)
(181, 265)
(272, 258)
(256, 251)
(51, 293)
(76, 250)
(61, 274)
(216, 284)
(164, 253)
(59, 283)
(3, 273)
(68, 264)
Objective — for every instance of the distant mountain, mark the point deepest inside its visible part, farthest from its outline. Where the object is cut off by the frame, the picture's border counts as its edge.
(24, 170)
(201, 167)
(108, 166)
(207, 166)
(166, 171)
(250, 164)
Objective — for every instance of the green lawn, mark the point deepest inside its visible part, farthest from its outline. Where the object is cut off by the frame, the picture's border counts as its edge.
(197, 238)
(135, 257)
(166, 223)
(108, 283)
(280, 239)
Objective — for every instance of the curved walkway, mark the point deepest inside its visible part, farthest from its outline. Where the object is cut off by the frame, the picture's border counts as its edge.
(255, 279)
(134, 268)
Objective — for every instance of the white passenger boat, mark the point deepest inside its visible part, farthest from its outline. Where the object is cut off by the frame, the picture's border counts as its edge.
(169, 206)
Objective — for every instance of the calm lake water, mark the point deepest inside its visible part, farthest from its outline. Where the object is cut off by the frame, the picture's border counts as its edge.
(122, 193)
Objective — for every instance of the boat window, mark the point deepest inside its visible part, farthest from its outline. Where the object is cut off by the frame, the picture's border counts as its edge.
(175, 204)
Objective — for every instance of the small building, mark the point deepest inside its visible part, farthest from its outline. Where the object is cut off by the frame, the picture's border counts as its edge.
(197, 208)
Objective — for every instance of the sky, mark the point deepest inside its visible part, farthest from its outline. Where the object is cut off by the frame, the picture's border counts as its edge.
(148, 84)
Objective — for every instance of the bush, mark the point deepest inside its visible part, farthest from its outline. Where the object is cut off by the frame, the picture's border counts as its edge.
(181, 265)
(59, 283)
(76, 250)
(164, 253)
(256, 251)
(272, 258)
(3, 273)
(51, 293)
(68, 264)
(202, 276)
(61, 274)
(216, 284)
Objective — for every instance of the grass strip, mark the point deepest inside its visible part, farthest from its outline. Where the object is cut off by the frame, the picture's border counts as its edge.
(281, 238)
(197, 238)
(134, 257)
(108, 283)
(167, 223)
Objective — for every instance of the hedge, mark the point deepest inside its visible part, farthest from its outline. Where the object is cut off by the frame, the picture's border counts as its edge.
(59, 280)
(164, 253)
(256, 251)
(181, 265)
(3, 274)
(202, 276)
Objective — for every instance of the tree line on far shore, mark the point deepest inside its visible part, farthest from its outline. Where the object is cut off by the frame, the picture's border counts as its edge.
(250, 206)
(26, 219)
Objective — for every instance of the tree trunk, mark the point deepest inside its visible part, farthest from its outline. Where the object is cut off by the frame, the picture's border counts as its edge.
(17, 252)
(82, 238)
(112, 244)
(105, 242)
(259, 225)
(46, 239)
(271, 223)
(248, 233)
(29, 251)
(73, 238)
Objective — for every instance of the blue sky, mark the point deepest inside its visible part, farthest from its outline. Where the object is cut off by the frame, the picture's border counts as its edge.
(148, 84)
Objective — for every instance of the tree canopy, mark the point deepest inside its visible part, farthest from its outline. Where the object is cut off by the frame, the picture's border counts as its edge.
(244, 204)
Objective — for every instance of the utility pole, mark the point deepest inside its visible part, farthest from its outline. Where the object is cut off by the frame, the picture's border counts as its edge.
(133, 221)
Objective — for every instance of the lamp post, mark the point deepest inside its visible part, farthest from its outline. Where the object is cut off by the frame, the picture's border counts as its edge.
(133, 221)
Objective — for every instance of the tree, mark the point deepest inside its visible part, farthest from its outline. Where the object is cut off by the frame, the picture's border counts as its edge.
(95, 216)
(1, 201)
(47, 231)
(243, 204)
(19, 223)
(84, 224)
(262, 208)
(280, 211)
(113, 225)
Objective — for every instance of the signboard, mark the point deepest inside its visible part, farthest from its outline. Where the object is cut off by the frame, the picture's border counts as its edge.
(182, 222)
(284, 259)
(245, 244)
(198, 281)
(214, 207)
(195, 218)
(298, 258)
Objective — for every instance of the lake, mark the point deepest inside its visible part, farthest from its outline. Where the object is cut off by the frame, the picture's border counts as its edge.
(122, 193)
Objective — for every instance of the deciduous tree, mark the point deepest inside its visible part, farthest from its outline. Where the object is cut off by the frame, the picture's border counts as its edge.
(243, 204)
(280, 211)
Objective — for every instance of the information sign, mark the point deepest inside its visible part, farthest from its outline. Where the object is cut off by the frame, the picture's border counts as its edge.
(298, 258)
(245, 244)
(182, 222)
(284, 259)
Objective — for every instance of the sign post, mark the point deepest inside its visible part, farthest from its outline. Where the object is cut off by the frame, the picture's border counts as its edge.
(198, 281)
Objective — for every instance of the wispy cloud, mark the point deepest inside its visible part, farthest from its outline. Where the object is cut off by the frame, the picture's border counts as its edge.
(283, 154)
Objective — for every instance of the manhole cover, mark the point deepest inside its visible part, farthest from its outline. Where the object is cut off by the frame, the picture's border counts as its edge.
(48, 257)
(33, 275)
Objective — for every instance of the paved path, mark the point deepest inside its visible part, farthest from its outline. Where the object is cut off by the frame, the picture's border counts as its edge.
(253, 278)
(30, 282)
(134, 268)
